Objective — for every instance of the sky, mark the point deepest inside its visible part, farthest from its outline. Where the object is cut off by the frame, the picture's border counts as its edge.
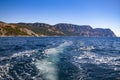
(96, 13)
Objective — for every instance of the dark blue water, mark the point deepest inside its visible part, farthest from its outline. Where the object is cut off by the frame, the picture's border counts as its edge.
(59, 58)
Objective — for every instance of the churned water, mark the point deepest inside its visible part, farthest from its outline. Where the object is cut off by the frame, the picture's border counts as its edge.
(59, 58)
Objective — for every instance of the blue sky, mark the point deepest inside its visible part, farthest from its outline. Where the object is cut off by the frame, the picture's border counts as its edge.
(97, 13)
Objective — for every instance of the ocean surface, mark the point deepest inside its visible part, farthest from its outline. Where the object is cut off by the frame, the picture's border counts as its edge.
(59, 58)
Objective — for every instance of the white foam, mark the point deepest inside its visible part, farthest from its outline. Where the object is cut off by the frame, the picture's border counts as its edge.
(87, 48)
(4, 70)
(47, 66)
(53, 51)
(89, 57)
(24, 53)
(58, 49)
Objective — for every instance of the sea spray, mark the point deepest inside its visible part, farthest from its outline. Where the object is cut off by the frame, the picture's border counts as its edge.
(47, 66)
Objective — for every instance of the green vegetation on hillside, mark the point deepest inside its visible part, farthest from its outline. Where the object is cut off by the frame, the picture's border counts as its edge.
(14, 31)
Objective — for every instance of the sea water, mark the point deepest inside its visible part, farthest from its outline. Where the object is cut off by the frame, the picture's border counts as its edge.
(59, 58)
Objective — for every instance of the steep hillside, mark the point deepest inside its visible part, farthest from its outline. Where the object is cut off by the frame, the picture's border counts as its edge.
(14, 30)
(84, 30)
(42, 29)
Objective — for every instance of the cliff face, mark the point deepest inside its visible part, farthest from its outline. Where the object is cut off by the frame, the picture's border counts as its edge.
(42, 29)
(84, 30)
(103, 32)
(70, 29)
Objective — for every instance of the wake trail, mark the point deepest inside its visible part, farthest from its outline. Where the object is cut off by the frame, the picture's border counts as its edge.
(47, 66)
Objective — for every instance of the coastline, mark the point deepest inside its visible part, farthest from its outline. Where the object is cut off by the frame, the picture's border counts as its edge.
(63, 36)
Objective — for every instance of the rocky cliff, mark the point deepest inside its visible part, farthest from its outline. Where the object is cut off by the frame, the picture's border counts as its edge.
(84, 30)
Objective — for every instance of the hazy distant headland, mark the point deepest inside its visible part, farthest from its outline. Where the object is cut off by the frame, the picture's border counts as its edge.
(61, 29)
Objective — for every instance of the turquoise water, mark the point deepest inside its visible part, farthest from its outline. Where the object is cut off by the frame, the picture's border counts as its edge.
(59, 58)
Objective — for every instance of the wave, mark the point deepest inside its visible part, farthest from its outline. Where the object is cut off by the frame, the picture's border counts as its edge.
(87, 48)
(47, 66)
(8, 63)
(26, 53)
(92, 58)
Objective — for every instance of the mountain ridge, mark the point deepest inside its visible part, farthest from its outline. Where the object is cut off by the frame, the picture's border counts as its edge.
(60, 29)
